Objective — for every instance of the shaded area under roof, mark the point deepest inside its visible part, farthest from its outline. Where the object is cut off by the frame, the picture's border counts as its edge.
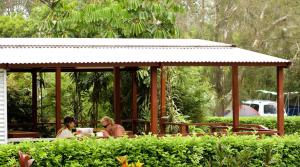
(83, 52)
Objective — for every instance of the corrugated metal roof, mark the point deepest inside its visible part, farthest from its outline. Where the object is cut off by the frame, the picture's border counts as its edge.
(139, 51)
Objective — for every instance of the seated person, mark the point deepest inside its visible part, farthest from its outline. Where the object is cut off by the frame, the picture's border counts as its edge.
(111, 129)
(66, 131)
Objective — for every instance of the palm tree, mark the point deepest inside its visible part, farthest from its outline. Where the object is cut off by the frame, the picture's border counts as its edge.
(99, 82)
(79, 79)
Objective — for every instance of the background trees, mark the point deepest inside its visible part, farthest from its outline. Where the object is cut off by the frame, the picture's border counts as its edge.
(264, 26)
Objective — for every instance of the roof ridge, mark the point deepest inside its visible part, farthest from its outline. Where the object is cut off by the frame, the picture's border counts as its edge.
(113, 46)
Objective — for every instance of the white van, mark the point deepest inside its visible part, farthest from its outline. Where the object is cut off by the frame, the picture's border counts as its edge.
(264, 107)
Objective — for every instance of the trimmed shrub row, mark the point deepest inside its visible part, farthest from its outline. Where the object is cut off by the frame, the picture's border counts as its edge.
(161, 152)
(291, 123)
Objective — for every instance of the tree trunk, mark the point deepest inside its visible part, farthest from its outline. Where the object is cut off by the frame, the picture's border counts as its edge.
(77, 106)
(220, 91)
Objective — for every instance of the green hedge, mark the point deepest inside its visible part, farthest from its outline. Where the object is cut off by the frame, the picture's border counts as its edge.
(160, 152)
(291, 124)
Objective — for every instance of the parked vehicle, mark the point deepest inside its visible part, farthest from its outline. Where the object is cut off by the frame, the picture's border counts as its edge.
(264, 107)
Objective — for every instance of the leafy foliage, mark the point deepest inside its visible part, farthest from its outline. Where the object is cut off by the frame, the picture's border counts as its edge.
(167, 151)
(108, 19)
(15, 26)
(19, 108)
(191, 93)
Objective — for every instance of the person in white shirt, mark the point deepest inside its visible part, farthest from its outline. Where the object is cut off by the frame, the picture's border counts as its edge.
(66, 131)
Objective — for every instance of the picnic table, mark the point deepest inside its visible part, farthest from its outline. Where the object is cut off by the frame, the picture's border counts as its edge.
(223, 128)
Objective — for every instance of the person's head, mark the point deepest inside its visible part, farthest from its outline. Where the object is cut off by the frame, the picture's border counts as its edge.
(69, 122)
(107, 121)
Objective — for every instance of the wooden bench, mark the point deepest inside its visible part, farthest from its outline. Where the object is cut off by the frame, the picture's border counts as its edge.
(23, 134)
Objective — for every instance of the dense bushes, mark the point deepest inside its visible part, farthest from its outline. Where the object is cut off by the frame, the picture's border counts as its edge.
(291, 124)
(15, 26)
(168, 151)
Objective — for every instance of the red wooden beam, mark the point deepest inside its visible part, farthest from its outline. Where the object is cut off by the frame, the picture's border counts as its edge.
(153, 101)
(280, 101)
(58, 98)
(134, 114)
(34, 100)
(117, 95)
(235, 98)
(163, 99)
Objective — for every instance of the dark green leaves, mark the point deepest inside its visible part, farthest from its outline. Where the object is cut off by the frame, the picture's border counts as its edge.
(238, 151)
(108, 19)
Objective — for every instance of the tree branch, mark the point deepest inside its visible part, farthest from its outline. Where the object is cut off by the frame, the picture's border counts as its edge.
(262, 14)
(50, 4)
(275, 23)
(296, 54)
(259, 35)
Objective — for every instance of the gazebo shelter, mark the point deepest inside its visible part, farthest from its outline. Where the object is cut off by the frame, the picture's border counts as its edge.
(77, 54)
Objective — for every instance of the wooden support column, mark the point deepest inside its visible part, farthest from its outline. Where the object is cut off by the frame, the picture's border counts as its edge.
(117, 95)
(280, 101)
(134, 114)
(235, 98)
(162, 100)
(153, 101)
(58, 98)
(34, 100)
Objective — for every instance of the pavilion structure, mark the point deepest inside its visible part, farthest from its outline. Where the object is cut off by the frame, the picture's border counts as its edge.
(59, 55)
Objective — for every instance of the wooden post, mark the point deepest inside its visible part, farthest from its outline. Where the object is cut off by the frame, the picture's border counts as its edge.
(34, 100)
(153, 101)
(235, 98)
(162, 100)
(280, 101)
(134, 114)
(58, 98)
(117, 95)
